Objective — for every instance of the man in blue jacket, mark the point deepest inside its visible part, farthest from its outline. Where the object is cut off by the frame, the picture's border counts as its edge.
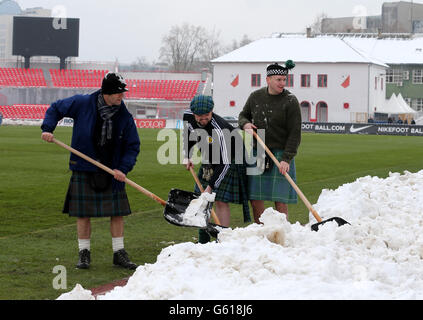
(103, 130)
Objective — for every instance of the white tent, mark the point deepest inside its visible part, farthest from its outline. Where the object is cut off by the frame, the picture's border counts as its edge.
(392, 106)
(407, 109)
(396, 105)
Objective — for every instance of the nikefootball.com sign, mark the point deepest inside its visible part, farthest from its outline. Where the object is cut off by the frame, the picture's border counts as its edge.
(352, 128)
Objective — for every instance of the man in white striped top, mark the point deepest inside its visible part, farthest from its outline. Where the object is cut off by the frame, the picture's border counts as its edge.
(222, 170)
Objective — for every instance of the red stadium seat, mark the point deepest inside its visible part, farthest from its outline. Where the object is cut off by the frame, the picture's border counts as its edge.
(162, 89)
(24, 111)
(19, 77)
(76, 78)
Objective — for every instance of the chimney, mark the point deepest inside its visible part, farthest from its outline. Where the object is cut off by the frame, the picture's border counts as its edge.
(308, 32)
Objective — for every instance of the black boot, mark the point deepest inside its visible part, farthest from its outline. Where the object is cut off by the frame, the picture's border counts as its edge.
(84, 259)
(120, 258)
(203, 236)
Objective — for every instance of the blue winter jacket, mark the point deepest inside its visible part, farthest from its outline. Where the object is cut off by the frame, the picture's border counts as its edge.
(83, 110)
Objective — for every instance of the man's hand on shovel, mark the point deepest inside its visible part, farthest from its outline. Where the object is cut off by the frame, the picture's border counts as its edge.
(249, 128)
(118, 175)
(47, 136)
(188, 164)
(284, 167)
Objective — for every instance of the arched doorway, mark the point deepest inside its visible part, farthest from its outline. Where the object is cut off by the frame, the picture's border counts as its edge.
(322, 112)
(305, 111)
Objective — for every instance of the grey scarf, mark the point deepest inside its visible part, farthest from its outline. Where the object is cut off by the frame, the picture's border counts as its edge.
(106, 113)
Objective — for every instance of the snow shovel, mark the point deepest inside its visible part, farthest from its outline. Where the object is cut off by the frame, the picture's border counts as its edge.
(174, 208)
(314, 227)
(200, 187)
(212, 228)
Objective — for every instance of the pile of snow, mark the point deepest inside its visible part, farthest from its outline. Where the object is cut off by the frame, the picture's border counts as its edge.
(78, 293)
(378, 256)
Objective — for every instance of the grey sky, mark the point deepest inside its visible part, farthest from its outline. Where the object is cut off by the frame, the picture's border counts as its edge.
(127, 29)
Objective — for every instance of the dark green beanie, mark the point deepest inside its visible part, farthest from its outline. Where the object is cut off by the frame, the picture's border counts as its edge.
(201, 104)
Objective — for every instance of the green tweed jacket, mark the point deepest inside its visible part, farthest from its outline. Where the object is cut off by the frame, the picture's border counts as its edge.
(280, 115)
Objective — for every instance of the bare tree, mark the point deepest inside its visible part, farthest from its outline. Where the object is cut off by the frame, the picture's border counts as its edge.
(183, 46)
(140, 63)
(316, 26)
(188, 47)
(212, 48)
(235, 44)
(244, 41)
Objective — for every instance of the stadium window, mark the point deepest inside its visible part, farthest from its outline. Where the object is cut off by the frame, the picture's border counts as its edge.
(322, 80)
(255, 80)
(375, 83)
(305, 80)
(417, 104)
(290, 80)
(394, 76)
(417, 76)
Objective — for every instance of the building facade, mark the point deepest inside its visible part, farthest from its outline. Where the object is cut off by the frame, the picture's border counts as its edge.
(404, 56)
(9, 9)
(395, 17)
(334, 84)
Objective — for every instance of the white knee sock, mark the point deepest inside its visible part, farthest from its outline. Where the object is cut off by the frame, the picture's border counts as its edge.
(117, 244)
(84, 244)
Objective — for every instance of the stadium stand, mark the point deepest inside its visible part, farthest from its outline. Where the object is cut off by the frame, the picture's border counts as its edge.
(26, 91)
(162, 89)
(75, 78)
(20, 77)
(24, 111)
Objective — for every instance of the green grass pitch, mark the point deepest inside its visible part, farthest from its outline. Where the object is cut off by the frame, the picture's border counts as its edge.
(35, 236)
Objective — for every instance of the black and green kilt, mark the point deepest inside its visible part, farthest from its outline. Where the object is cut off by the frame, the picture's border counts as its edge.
(83, 201)
(232, 189)
(271, 185)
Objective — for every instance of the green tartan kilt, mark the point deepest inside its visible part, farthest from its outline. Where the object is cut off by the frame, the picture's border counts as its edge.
(271, 185)
(232, 189)
(83, 201)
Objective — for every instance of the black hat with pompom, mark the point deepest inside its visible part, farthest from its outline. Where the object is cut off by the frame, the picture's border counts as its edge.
(277, 70)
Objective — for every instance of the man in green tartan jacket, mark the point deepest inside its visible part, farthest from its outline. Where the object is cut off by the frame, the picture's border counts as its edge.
(277, 111)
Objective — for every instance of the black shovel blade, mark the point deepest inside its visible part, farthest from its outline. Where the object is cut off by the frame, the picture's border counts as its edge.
(213, 229)
(177, 203)
(339, 221)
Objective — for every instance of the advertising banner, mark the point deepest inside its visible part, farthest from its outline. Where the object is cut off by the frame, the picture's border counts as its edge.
(151, 123)
(367, 128)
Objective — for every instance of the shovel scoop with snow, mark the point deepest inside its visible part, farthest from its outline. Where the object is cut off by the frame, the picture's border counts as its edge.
(187, 209)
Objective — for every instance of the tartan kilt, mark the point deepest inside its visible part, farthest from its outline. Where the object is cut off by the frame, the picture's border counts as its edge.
(83, 201)
(232, 189)
(272, 185)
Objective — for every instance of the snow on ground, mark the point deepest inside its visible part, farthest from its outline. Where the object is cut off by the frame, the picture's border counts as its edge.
(378, 256)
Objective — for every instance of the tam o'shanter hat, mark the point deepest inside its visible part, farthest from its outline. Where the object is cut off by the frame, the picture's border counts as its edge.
(113, 83)
(201, 104)
(276, 69)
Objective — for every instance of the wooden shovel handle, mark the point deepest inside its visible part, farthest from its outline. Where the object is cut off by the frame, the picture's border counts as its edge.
(287, 176)
(108, 170)
(197, 181)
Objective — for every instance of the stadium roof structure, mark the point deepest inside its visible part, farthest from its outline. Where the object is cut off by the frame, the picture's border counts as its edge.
(300, 48)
